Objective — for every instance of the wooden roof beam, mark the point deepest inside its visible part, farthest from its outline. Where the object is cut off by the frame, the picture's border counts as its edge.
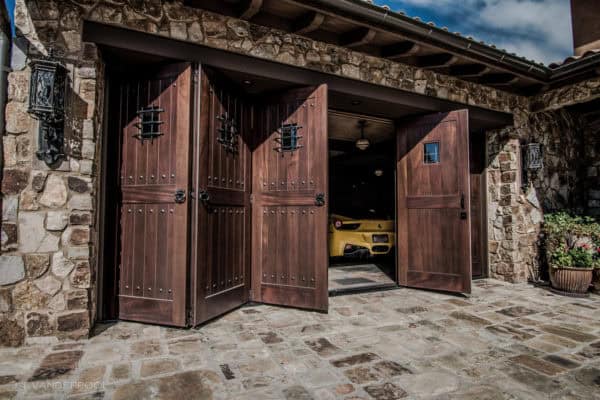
(308, 22)
(499, 79)
(249, 8)
(357, 37)
(436, 60)
(401, 49)
(469, 70)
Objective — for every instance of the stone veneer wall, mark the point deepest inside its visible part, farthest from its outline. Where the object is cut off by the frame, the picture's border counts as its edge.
(590, 152)
(570, 178)
(47, 269)
(516, 205)
(592, 170)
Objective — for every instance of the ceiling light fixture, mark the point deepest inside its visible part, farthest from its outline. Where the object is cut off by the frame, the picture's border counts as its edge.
(362, 143)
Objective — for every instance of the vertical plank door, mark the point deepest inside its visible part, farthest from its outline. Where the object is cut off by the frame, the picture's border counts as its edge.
(221, 230)
(154, 115)
(289, 239)
(477, 145)
(434, 243)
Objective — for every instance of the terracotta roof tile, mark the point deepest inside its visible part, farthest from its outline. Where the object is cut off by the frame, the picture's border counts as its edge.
(572, 59)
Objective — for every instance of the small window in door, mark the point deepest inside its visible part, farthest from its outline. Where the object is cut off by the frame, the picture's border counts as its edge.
(431, 153)
(288, 138)
(149, 125)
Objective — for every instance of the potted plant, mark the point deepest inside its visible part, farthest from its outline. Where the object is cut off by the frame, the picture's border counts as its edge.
(572, 245)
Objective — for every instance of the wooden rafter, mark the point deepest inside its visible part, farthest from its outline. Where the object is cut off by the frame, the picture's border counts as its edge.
(499, 79)
(357, 37)
(437, 60)
(401, 49)
(308, 22)
(469, 70)
(249, 8)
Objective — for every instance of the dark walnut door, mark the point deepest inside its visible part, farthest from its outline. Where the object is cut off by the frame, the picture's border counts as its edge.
(289, 237)
(434, 243)
(221, 233)
(154, 115)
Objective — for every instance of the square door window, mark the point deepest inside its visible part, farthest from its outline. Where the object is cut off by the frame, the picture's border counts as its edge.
(431, 153)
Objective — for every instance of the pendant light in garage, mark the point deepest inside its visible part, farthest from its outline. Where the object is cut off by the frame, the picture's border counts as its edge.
(362, 143)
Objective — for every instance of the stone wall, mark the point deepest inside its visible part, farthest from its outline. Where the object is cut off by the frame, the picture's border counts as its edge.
(589, 153)
(568, 180)
(48, 216)
(592, 167)
(517, 203)
(47, 266)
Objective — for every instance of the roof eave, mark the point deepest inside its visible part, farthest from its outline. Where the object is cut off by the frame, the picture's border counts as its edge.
(433, 35)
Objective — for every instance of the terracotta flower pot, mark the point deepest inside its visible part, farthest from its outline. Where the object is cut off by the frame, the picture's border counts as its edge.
(574, 281)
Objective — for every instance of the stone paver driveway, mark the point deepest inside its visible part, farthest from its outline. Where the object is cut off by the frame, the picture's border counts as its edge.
(505, 342)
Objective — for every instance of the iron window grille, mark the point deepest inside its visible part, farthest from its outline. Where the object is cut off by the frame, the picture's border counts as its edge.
(227, 133)
(149, 125)
(288, 139)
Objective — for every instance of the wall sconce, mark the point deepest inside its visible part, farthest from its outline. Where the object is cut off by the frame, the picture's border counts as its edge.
(47, 104)
(534, 157)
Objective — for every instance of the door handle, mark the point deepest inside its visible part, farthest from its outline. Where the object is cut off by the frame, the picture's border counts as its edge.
(204, 196)
(463, 212)
(320, 199)
(180, 196)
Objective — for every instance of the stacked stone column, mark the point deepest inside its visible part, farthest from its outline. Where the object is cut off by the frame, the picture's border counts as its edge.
(48, 218)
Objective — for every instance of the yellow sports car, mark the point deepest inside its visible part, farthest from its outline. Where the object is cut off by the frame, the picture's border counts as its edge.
(360, 237)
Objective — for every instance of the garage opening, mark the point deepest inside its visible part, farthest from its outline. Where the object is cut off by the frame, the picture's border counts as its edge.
(361, 231)
(279, 144)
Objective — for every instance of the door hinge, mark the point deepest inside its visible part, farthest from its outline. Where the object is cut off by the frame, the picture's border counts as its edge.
(190, 316)
(251, 294)
(251, 199)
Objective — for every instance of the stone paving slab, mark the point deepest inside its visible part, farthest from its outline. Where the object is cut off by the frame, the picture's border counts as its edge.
(504, 342)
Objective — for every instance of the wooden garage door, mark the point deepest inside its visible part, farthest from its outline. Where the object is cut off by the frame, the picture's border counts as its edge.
(154, 115)
(222, 235)
(289, 259)
(434, 244)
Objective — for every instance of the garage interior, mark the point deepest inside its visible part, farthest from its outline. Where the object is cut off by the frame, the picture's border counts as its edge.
(362, 151)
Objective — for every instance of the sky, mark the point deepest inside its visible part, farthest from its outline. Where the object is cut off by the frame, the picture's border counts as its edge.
(10, 5)
(536, 29)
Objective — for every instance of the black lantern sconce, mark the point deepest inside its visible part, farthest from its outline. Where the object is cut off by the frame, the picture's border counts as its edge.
(532, 159)
(47, 104)
(534, 156)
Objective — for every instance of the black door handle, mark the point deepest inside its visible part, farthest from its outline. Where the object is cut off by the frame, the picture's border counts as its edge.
(463, 212)
(204, 196)
(320, 199)
(180, 196)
